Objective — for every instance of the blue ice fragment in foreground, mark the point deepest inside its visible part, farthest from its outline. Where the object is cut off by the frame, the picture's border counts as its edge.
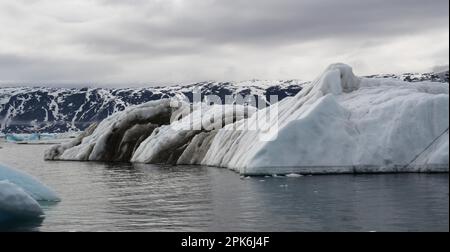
(16, 204)
(30, 185)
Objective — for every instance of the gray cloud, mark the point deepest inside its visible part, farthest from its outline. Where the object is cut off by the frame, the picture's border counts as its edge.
(116, 41)
(33, 71)
(440, 68)
(271, 23)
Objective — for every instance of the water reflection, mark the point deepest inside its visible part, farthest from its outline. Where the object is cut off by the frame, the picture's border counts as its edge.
(158, 197)
(410, 202)
(125, 197)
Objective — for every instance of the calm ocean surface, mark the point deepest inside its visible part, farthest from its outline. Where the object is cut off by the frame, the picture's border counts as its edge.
(125, 197)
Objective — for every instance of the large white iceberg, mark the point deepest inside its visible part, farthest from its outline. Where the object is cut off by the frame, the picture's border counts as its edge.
(338, 123)
(344, 124)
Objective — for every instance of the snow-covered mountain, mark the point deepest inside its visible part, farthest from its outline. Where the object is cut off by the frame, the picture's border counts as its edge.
(416, 77)
(36, 109)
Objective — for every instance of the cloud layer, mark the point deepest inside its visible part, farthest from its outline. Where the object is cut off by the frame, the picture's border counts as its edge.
(137, 42)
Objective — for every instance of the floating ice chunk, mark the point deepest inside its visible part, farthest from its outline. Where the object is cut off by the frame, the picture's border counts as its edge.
(14, 138)
(294, 175)
(30, 185)
(15, 203)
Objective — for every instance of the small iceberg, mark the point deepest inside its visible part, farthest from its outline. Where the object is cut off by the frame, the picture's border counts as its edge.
(29, 184)
(294, 175)
(20, 194)
(35, 138)
(16, 204)
(13, 138)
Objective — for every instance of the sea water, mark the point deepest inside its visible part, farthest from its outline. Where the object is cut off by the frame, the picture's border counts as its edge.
(125, 197)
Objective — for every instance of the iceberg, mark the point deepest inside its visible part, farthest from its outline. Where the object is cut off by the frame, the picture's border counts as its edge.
(20, 195)
(13, 138)
(116, 137)
(15, 203)
(338, 123)
(28, 184)
(35, 138)
(174, 143)
(154, 132)
(344, 124)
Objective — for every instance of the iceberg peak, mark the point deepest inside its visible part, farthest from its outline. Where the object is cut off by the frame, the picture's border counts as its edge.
(338, 78)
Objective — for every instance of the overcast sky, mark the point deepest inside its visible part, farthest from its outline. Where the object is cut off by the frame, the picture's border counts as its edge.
(135, 42)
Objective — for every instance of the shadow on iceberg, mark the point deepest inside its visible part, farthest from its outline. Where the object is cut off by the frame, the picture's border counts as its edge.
(21, 225)
(16, 205)
(339, 123)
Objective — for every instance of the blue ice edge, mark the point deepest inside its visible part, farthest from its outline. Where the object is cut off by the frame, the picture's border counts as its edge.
(21, 196)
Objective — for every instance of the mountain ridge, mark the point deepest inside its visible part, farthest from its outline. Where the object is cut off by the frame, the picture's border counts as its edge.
(53, 110)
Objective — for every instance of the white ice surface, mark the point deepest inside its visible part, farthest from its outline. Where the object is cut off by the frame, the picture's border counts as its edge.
(340, 123)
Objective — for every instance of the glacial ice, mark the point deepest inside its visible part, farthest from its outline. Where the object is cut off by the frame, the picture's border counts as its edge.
(22, 137)
(339, 123)
(168, 143)
(154, 132)
(27, 183)
(116, 137)
(343, 124)
(15, 203)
